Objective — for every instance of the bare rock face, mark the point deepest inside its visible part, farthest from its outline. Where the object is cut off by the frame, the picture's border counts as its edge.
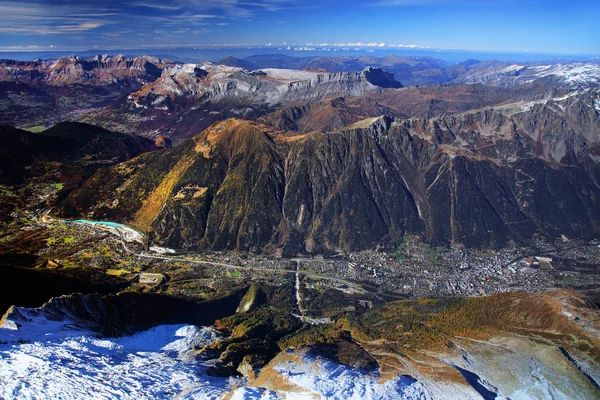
(249, 367)
(378, 77)
(481, 178)
(162, 142)
(210, 82)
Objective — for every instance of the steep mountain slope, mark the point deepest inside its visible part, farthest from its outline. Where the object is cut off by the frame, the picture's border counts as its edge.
(326, 115)
(68, 151)
(509, 345)
(479, 178)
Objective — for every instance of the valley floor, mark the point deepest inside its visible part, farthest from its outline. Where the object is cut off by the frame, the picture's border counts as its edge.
(414, 270)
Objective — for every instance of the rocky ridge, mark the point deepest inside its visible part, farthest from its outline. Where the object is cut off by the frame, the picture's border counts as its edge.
(210, 82)
(43, 92)
(516, 345)
(565, 75)
(190, 97)
(101, 70)
(248, 186)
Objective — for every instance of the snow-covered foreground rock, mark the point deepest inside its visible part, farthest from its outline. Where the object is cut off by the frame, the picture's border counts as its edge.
(46, 358)
(55, 352)
(313, 375)
(153, 364)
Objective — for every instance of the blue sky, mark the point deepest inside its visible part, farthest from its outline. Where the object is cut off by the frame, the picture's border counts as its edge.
(549, 26)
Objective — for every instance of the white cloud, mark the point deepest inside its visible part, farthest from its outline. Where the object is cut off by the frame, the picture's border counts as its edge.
(48, 17)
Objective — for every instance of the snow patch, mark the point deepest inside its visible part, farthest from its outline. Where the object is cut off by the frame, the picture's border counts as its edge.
(566, 96)
(570, 74)
(289, 75)
(574, 73)
(155, 363)
(328, 379)
(28, 325)
(161, 250)
(512, 68)
(246, 393)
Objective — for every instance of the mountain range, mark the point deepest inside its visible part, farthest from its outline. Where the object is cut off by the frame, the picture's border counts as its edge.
(306, 161)
(303, 208)
(98, 89)
(477, 178)
(41, 92)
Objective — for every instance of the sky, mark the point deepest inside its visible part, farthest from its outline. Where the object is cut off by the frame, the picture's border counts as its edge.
(537, 26)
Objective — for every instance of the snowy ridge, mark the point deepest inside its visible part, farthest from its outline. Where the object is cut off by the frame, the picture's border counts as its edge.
(576, 73)
(330, 380)
(154, 363)
(512, 68)
(48, 358)
(269, 86)
(289, 75)
(25, 324)
(570, 75)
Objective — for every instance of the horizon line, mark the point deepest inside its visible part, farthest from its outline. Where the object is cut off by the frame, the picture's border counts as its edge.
(288, 47)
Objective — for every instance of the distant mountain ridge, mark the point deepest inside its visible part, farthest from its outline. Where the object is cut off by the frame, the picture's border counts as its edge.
(408, 70)
(99, 70)
(95, 89)
(188, 98)
(427, 70)
(38, 92)
(571, 75)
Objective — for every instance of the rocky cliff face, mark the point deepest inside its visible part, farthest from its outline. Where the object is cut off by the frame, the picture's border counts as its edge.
(101, 70)
(188, 98)
(209, 83)
(479, 178)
